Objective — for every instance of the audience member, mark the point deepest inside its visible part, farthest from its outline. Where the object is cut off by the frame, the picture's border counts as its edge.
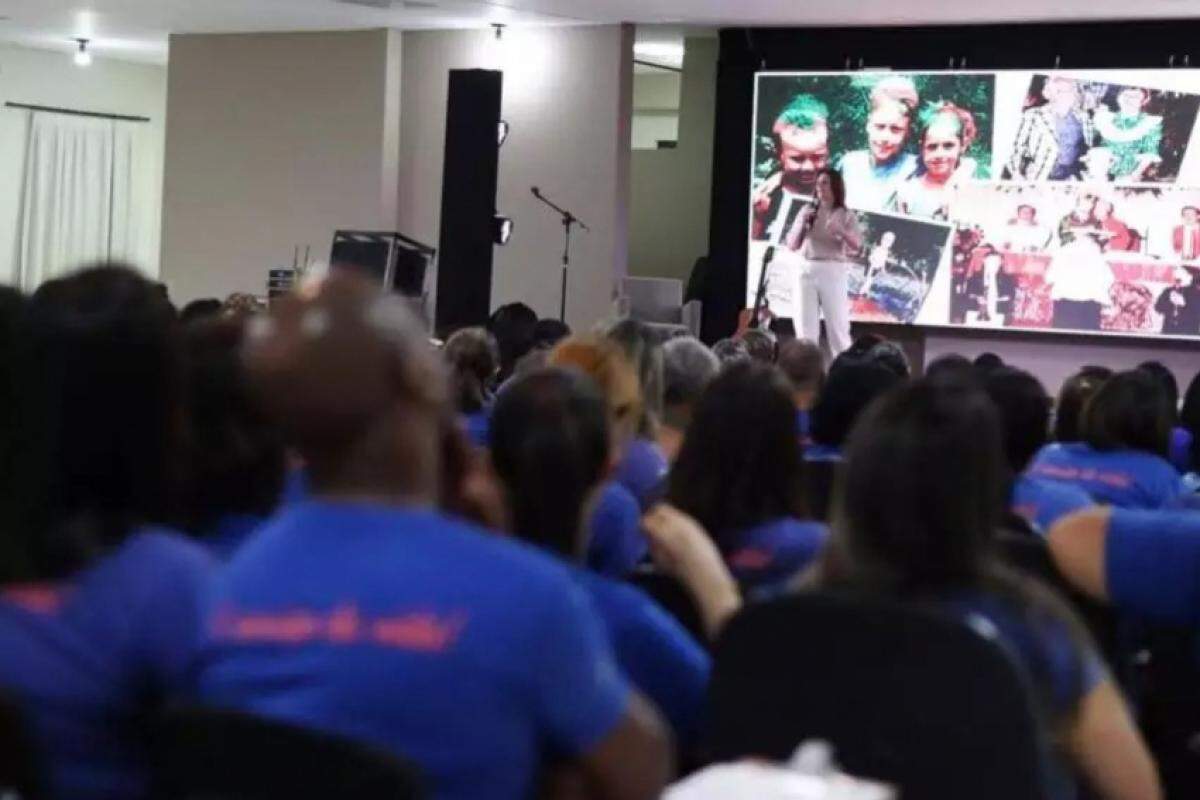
(739, 475)
(760, 345)
(1024, 409)
(615, 542)
(1074, 395)
(546, 335)
(1189, 420)
(864, 344)
(551, 452)
(952, 369)
(474, 360)
(890, 356)
(1166, 378)
(549, 332)
(1121, 459)
(1181, 439)
(921, 499)
(369, 592)
(642, 466)
(12, 309)
(463, 653)
(988, 362)
(237, 459)
(99, 609)
(849, 390)
(729, 351)
(688, 367)
(1146, 563)
(199, 310)
(514, 326)
(803, 365)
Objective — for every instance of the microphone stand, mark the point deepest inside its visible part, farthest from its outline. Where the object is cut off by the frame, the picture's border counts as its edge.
(568, 220)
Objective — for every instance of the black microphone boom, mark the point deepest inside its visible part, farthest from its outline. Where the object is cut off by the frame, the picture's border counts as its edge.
(568, 220)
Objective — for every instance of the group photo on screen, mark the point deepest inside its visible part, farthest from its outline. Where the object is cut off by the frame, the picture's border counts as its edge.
(901, 142)
(1091, 131)
(1040, 201)
(1078, 258)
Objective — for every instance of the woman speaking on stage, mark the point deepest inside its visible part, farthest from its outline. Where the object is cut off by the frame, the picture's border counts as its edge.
(828, 238)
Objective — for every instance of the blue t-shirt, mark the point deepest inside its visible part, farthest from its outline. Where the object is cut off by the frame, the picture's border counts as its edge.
(615, 542)
(804, 427)
(1044, 502)
(1061, 669)
(1181, 449)
(87, 657)
(641, 471)
(479, 427)
(823, 453)
(1121, 478)
(1152, 565)
(768, 555)
(653, 650)
(469, 655)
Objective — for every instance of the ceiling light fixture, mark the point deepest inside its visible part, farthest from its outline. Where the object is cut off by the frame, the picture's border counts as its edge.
(499, 28)
(83, 58)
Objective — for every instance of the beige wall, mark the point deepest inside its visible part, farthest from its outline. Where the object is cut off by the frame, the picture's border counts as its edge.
(273, 141)
(47, 78)
(567, 95)
(671, 189)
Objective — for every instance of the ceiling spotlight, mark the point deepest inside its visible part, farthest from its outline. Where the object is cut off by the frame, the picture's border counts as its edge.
(83, 58)
(502, 132)
(499, 27)
(502, 229)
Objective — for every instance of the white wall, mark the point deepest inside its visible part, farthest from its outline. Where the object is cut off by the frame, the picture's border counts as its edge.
(567, 96)
(655, 108)
(45, 78)
(273, 141)
(672, 189)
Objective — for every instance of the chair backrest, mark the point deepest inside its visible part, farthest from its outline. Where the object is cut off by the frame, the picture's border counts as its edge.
(904, 696)
(204, 754)
(20, 775)
(654, 299)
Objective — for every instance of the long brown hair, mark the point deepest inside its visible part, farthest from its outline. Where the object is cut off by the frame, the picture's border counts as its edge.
(837, 184)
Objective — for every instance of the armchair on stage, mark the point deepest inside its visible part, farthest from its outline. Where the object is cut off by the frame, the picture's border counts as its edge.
(659, 303)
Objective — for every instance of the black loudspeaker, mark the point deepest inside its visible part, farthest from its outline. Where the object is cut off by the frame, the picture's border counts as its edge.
(396, 262)
(469, 177)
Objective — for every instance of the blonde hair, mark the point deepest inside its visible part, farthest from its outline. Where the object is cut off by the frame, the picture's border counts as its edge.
(896, 89)
(604, 362)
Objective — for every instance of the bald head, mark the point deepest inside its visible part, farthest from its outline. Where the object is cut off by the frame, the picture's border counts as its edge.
(349, 375)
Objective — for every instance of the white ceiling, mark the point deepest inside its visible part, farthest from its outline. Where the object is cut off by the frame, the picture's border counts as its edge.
(138, 29)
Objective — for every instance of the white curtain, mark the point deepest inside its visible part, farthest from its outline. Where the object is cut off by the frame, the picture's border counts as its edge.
(84, 196)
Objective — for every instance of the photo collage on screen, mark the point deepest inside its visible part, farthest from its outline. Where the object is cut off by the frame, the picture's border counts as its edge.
(1066, 201)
